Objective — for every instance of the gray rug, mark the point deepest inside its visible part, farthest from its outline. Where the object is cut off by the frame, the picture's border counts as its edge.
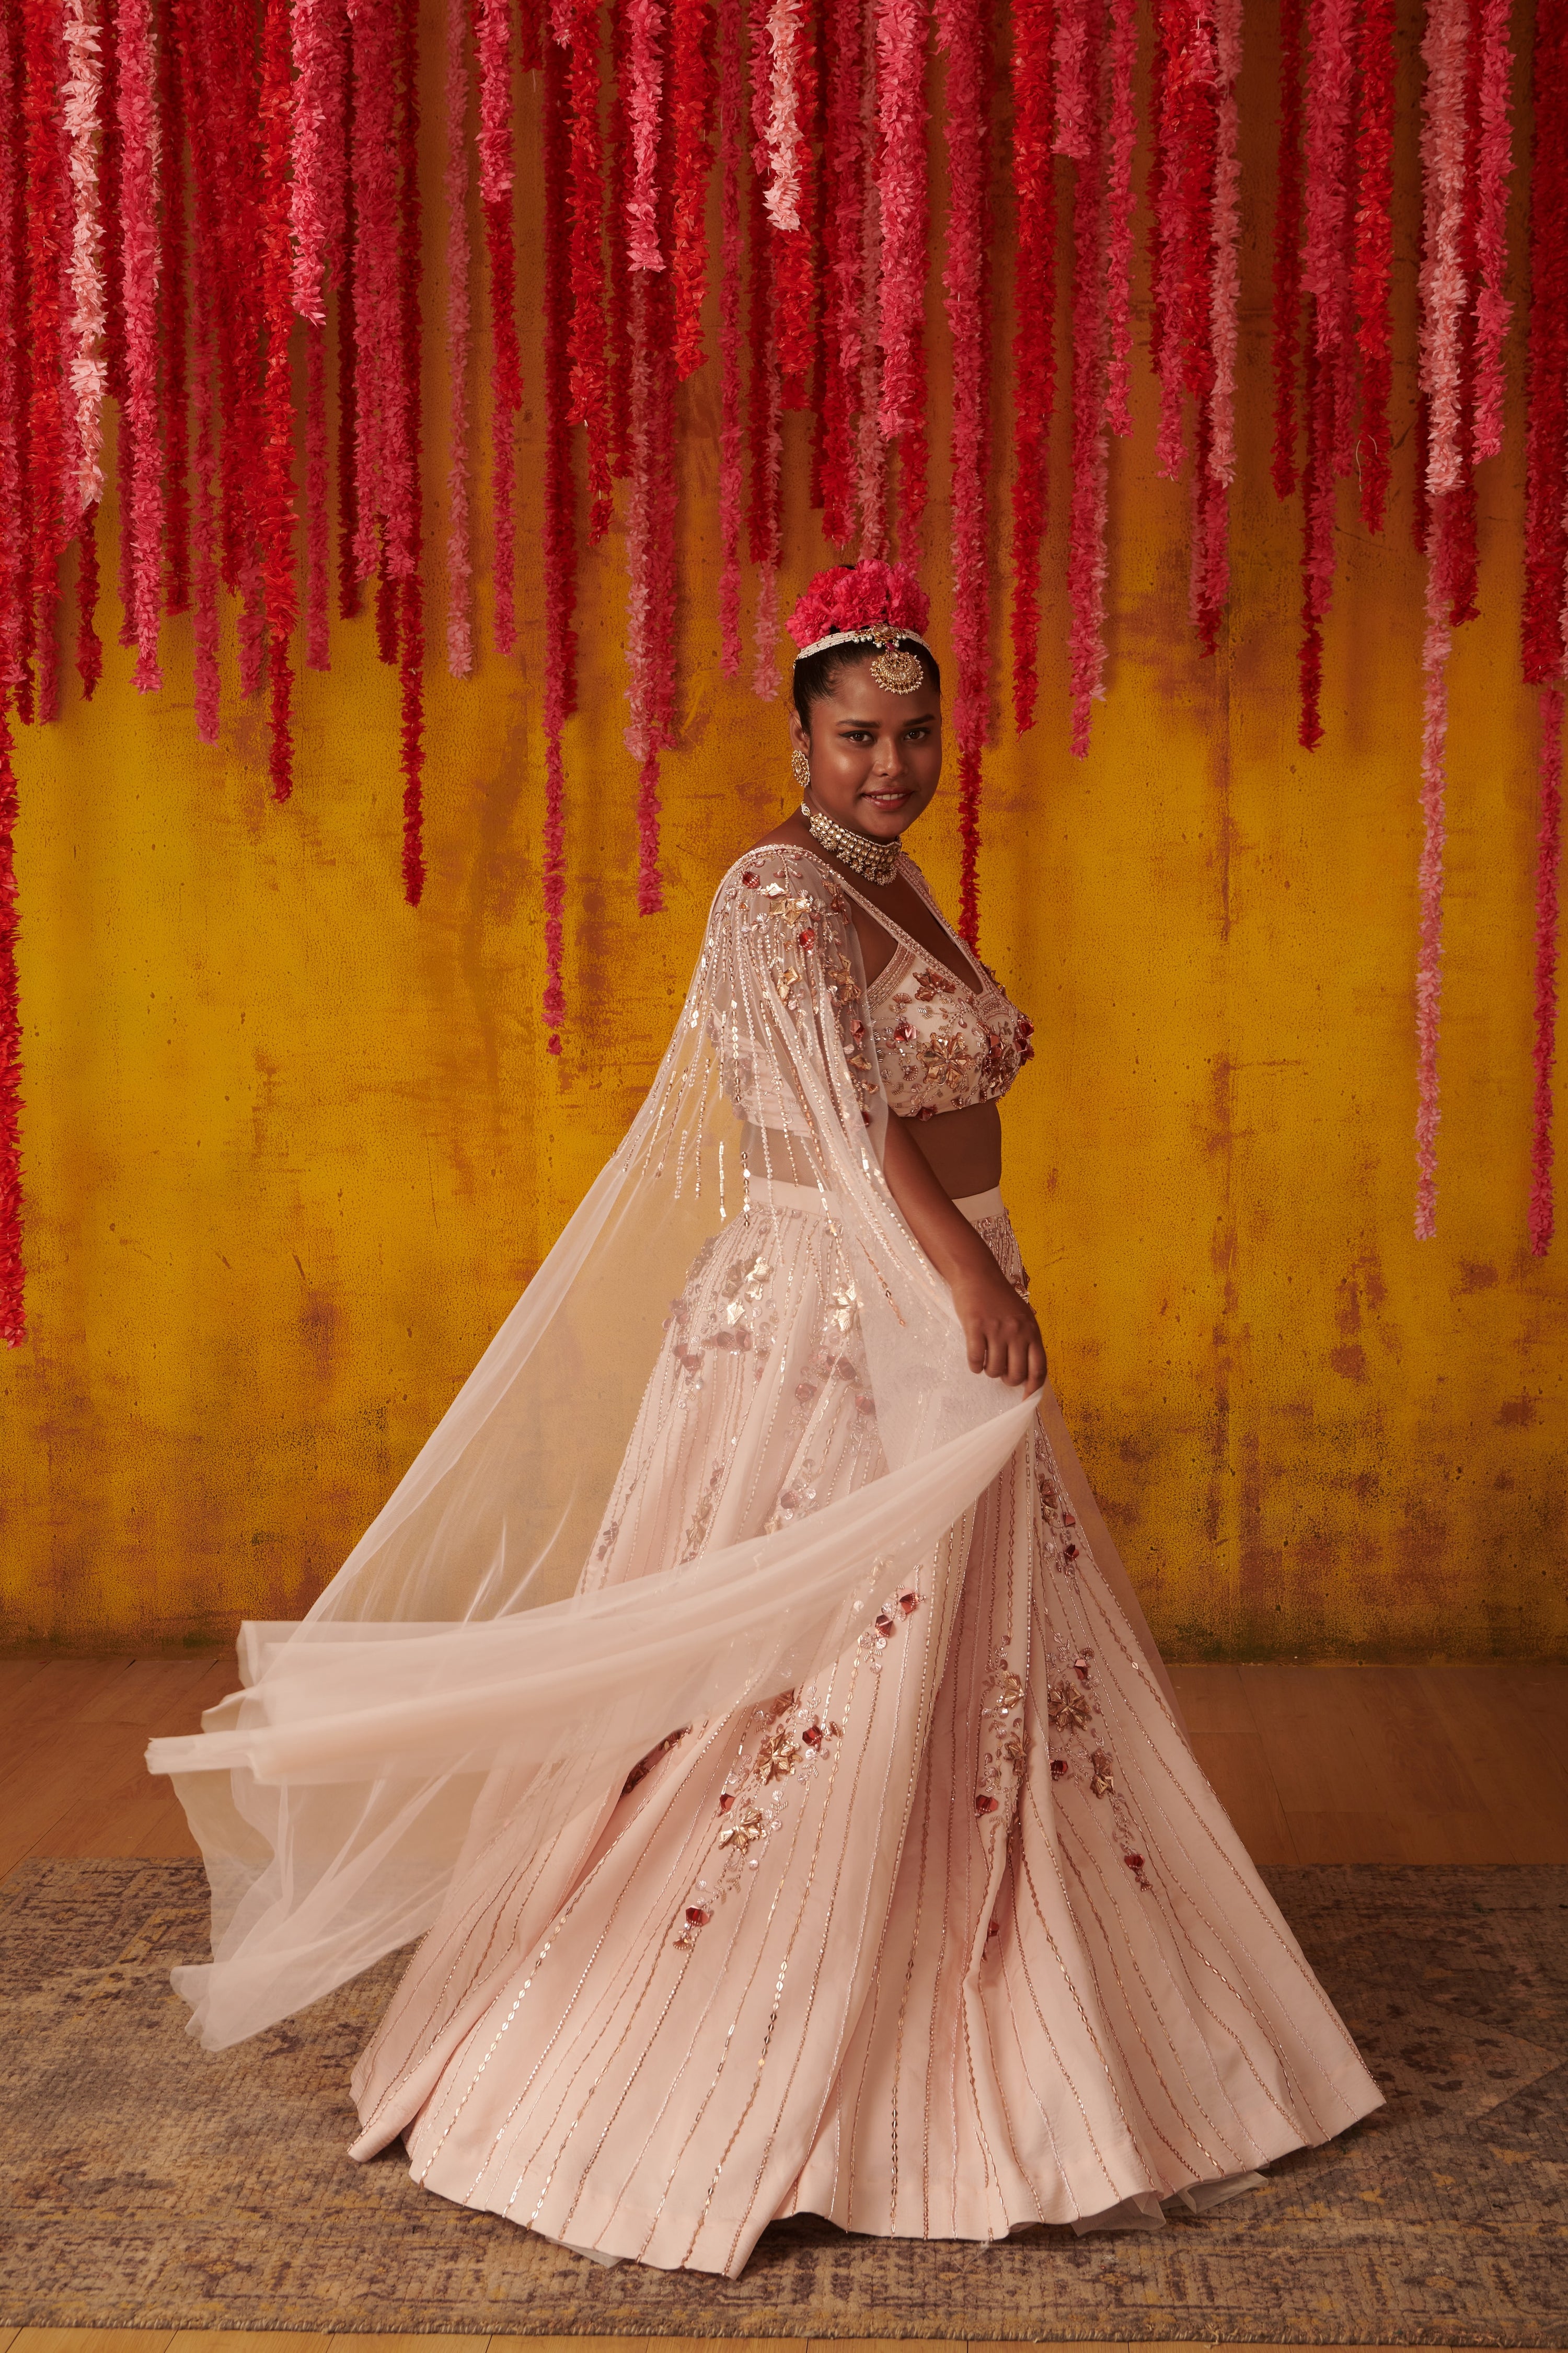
(146, 2184)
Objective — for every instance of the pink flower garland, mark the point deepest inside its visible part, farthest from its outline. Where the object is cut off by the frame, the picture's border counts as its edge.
(409, 582)
(318, 533)
(844, 175)
(13, 1278)
(1493, 308)
(493, 43)
(765, 520)
(961, 32)
(1080, 134)
(901, 209)
(645, 28)
(731, 132)
(139, 135)
(318, 66)
(459, 346)
(1548, 862)
(871, 449)
(1430, 879)
(559, 545)
(692, 91)
(278, 531)
(1226, 267)
(1287, 267)
(590, 390)
(1372, 253)
(1443, 290)
(86, 363)
(1122, 137)
(13, 381)
(1034, 335)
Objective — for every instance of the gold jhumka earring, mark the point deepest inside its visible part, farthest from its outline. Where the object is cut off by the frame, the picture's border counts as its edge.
(802, 768)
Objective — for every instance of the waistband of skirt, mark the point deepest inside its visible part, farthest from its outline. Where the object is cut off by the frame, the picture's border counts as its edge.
(779, 1196)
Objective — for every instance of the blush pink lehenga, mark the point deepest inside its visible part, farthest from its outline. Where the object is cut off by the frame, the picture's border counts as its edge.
(764, 1735)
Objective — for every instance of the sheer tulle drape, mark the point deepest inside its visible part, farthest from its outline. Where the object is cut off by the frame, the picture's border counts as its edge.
(462, 1669)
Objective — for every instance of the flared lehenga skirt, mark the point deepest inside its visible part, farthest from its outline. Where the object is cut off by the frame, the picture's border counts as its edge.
(952, 1938)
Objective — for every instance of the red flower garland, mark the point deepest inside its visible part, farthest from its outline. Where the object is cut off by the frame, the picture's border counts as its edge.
(589, 383)
(1122, 138)
(1288, 213)
(1372, 262)
(45, 423)
(278, 492)
(961, 30)
(1492, 308)
(899, 223)
(459, 346)
(138, 173)
(175, 320)
(492, 40)
(1544, 652)
(644, 84)
(1080, 133)
(1548, 863)
(730, 128)
(411, 589)
(13, 382)
(1034, 335)
(560, 549)
(843, 202)
(617, 310)
(792, 196)
(650, 551)
(205, 337)
(764, 519)
(693, 89)
(349, 597)
(13, 1277)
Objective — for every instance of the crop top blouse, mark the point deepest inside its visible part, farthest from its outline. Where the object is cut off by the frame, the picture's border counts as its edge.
(941, 1044)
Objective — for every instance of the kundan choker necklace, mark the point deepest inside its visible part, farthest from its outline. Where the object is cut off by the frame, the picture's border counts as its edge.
(874, 861)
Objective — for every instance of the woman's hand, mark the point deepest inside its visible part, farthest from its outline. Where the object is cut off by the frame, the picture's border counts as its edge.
(999, 1327)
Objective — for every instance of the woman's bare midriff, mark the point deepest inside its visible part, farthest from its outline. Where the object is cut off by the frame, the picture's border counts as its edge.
(962, 1149)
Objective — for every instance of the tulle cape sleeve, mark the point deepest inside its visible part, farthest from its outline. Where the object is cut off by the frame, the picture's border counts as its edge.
(467, 1665)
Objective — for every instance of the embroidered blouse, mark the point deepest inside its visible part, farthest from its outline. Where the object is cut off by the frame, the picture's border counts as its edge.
(941, 1043)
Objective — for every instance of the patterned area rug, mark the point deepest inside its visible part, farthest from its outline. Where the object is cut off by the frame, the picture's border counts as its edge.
(147, 2184)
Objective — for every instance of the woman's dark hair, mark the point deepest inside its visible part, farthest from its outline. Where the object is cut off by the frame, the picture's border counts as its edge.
(818, 674)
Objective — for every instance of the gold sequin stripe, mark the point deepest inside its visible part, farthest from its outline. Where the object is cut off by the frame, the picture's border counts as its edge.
(1109, 1836)
(1013, 1957)
(564, 1916)
(741, 2000)
(850, 1974)
(939, 1645)
(1244, 1882)
(678, 1793)
(1182, 1902)
(946, 1591)
(1194, 2172)
(508, 1909)
(1069, 1985)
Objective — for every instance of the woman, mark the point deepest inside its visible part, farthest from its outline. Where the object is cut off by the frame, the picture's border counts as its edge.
(741, 1693)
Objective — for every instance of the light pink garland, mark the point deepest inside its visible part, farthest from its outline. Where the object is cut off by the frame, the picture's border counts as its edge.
(1493, 308)
(765, 626)
(1548, 860)
(645, 27)
(731, 125)
(316, 195)
(1444, 293)
(139, 200)
(1123, 138)
(902, 210)
(459, 344)
(86, 363)
(782, 137)
(1429, 881)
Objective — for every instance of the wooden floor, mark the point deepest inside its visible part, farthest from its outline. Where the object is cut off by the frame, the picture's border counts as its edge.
(1426, 1765)
(1315, 1763)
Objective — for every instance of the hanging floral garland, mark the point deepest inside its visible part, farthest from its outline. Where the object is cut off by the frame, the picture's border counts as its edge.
(460, 348)
(590, 388)
(563, 168)
(493, 42)
(732, 103)
(961, 30)
(1033, 333)
(12, 1300)
(1080, 134)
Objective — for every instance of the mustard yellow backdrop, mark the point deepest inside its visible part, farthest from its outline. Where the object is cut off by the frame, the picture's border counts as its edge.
(292, 1149)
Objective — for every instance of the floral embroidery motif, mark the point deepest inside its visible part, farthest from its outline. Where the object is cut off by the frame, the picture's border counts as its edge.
(791, 1735)
(875, 1637)
(1077, 1755)
(1001, 1760)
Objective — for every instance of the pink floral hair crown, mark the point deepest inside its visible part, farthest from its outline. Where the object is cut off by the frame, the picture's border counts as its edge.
(870, 602)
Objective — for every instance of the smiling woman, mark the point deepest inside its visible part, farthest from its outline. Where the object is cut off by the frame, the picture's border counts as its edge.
(829, 1841)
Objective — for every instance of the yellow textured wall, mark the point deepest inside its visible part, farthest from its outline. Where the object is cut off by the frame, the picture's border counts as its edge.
(292, 1149)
